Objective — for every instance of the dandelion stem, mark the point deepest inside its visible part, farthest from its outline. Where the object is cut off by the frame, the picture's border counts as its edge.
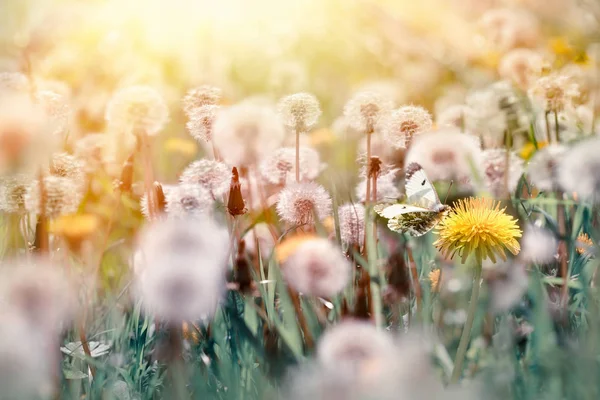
(548, 134)
(85, 344)
(308, 339)
(368, 189)
(466, 333)
(556, 127)
(562, 250)
(297, 155)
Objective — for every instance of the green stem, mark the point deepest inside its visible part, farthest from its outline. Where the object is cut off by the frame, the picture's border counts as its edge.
(466, 333)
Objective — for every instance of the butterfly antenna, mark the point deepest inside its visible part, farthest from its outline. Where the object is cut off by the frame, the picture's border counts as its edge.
(448, 192)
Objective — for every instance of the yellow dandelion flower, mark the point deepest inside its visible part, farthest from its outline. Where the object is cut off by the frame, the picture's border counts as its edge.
(529, 149)
(584, 243)
(434, 279)
(478, 225)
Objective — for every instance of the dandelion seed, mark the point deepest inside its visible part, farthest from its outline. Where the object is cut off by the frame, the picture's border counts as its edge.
(352, 223)
(446, 154)
(280, 167)
(201, 97)
(57, 109)
(386, 187)
(12, 193)
(554, 92)
(297, 203)
(454, 116)
(188, 201)
(495, 171)
(521, 66)
(137, 109)
(579, 170)
(63, 196)
(539, 245)
(367, 110)
(200, 125)
(246, 133)
(180, 268)
(405, 123)
(507, 29)
(542, 169)
(299, 111)
(478, 226)
(317, 268)
(213, 175)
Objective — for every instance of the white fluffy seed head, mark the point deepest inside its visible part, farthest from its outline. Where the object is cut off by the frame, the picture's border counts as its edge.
(539, 245)
(14, 82)
(542, 169)
(213, 175)
(386, 188)
(280, 167)
(89, 149)
(188, 201)
(63, 196)
(454, 116)
(521, 66)
(352, 224)
(506, 29)
(199, 97)
(180, 268)
(201, 120)
(246, 133)
(137, 110)
(299, 111)
(554, 92)
(12, 193)
(367, 110)
(317, 268)
(298, 203)
(57, 110)
(64, 165)
(405, 123)
(495, 171)
(579, 170)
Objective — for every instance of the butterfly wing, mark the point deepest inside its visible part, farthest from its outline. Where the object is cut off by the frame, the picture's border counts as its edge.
(419, 190)
(394, 210)
(405, 218)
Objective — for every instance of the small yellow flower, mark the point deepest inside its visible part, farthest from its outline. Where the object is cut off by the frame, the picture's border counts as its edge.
(287, 247)
(478, 225)
(434, 279)
(584, 243)
(528, 150)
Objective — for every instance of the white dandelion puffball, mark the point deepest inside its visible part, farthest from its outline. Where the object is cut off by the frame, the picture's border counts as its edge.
(507, 29)
(554, 92)
(137, 110)
(299, 111)
(280, 167)
(317, 268)
(447, 154)
(495, 171)
(12, 193)
(539, 245)
(579, 170)
(200, 97)
(89, 149)
(454, 116)
(367, 110)
(213, 175)
(63, 196)
(386, 188)
(542, 169)
(180, 268)
(200, 124)
(188, 201)
(521, 66)
(14, 82)
(64, 165)
(352, 224)
(57, 111)
(246, 133)
(405, 123)
(298, 202)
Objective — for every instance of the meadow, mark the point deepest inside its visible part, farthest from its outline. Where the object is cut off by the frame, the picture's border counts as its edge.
(318, 199)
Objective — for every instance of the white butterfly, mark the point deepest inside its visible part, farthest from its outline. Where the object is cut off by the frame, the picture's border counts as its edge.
(423, 209)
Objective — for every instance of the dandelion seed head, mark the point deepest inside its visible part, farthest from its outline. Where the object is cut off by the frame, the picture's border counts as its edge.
(542, 169)
(213, 175)
(352, 223)
(246, 133)
(405, 123)
(144, 206)
(317, 268)
(507, 29)
(200, 97)
(478, 226)
(14, 82)
(554, 92)
(57, 109)
(446, 154)
(299, 110)
(188, 201)
(539, 245)
(579, 170)
(453, 116)
(12, 193)
(89, 149)
(201, 120)
(366, 110)
(137, 109)
(386, 187)
(65, 165)
(521, 66)
(297, 203)
(280, 167)
(495, 171)
(63, 196)
(180, 268)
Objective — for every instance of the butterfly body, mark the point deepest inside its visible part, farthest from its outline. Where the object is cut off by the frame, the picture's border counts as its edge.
(423, 209)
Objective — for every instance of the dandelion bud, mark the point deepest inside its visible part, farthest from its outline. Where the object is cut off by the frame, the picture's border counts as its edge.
(299, 111)
(136, 110)
(405, 123)
(201, 97)
(352, 224)
(188, 201)
(297, 203)
(180, 268)
(161, 199)
(366, 110)
(235, 205)
(213, 175)
(280, 167)
(317, 268)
